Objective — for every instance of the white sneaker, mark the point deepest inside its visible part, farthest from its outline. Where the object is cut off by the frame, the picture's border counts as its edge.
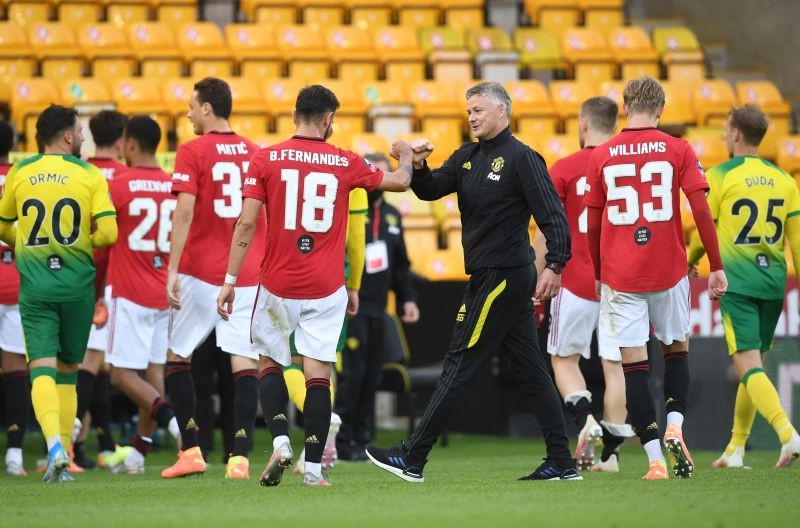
(587, 440)
(789, 451)
(132, 465)
(329, 454)
(300, 464)
(15, 469)
(281, 459)
(313, 480)
(734, 460)
(609, 466)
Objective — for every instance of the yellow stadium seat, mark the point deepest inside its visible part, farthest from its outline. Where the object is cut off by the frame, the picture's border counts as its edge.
(416, 213)
(681, 55)
(390, 108)
(90, 92)
(27, 14)
(351, 118)
(365, 14)
(184, 131)
(439, 110)
(249, 115)
(567, 97)
(352, 53)
(107, 50)
(633, 51)
(28, 98)
(16, 56)
(204, 49)
(55, 46)
(154, 46)
(267, 140)
(554, 15)
(78, 13)
(539, 49)
(280, 96)
(304, 51)
(788, 157)
(445, 210)
(553, 147)
(176, 94)
(419, 240)
(463, 14)
(253, 47)
(713, 99)
(441, 265)
(399, 52)
(126, 12)
(142, 96)
(369, 143)
(532, 109)
(175, 12)
(452, 235)
(678, 108)
(275, 12)
(447, 53)
(709, 145)
(613, 90)
(766, 96)
(602, 14)
(495, 55)
(323, 13)
(588, 55)
(417, 13)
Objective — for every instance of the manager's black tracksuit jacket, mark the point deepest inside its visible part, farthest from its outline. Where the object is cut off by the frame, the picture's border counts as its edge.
(500, 183)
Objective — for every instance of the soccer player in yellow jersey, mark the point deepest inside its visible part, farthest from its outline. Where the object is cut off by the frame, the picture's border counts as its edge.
(55, 198)
(755, 206)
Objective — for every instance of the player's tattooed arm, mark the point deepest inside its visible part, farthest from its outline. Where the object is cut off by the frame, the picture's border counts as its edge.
(242, 244)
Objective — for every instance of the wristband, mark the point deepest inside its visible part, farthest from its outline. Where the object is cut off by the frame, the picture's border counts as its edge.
(230, 279)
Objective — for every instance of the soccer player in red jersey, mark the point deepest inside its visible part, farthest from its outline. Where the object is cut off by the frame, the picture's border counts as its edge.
(575, 310)
(639, 256)
(138, 311)
(12, 345)
(305, 183)
(207, 180)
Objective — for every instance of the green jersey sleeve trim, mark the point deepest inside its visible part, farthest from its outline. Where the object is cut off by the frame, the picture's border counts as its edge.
(793, 213)
(105, 213)
(772, 165)
(359, 211)
(26, 161)
(9, 220)
(727, 166)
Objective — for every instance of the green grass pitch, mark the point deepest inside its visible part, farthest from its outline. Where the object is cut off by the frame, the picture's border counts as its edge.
(472, 482)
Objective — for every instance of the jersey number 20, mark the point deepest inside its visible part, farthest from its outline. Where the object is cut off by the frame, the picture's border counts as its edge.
(64, 239)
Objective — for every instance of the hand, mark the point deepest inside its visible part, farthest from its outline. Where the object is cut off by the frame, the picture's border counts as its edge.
(717, 285)
(548, 285)
(693, 273)
(225, 301)
(422, 149)
(100, 313)
(173, 290)
(401, 149)
(352, 302)
(410, 312)
(598, 288)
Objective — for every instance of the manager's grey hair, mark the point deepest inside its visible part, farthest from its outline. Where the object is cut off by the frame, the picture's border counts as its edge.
(493, 91)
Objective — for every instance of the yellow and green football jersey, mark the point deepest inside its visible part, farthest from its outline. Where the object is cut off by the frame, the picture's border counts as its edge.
(55, 199)
(750, 200)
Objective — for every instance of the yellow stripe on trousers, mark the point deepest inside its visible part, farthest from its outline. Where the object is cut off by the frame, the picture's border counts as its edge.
(476, 334)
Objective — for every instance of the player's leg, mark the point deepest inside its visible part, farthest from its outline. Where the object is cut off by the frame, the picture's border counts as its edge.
(87, 374)
(374, 350)
(100, 411)
(350, 381)
(615, 430)
(16, 386)
(204, 379)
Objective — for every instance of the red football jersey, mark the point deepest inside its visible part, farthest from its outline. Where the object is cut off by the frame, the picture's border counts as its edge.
(138, 261)
(9, 276)
(212, 168)
(636, 177)
(569, 178)
(306, 184)
(110, 168)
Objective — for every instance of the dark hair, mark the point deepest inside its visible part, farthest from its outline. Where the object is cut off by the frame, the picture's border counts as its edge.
(601, 112)
(6, 138)
(107, 127)
(145, 131)
(751, 121)
(217, 93)
(52, 122)
(377, 157)
(314, 101)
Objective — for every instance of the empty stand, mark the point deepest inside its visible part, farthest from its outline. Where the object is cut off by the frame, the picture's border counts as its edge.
(253, 46)
(495, 56)
(249, 117)
(16, 56)
(539, 49)
(633, 52)
(56, 48)
(126, 12)
(554, 15)
(154, 46)
(766, 96)
(304, 51)
(417, 13)
(788, 156)
(28, 98)
(365, 14)
(709, 145)
(275, 12)
(106, 49)
(602, 14)
(587, 53)
(533, 111)
(352, 52)
(204, 49)
(681, 55)
(463, 14)
(713, 99)
(447, 53)
(567, 97)
(401, 56)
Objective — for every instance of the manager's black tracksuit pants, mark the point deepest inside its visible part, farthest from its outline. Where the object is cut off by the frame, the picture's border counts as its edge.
(496, 314)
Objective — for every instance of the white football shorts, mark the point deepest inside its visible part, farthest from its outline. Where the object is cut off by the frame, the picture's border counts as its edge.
(11, 337)
(98, 337)
(573, 319)
(137, 335)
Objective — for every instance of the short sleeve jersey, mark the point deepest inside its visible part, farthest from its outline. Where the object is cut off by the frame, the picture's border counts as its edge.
(305, 184)
(55, 198)
(636, 178)
(110, 168)
(212, 168)
(750, 200)
(569, 179)
(9, 276)
(138, 261)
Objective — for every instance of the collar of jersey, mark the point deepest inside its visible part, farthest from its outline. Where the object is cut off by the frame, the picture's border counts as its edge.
(638, 129)
(308, 138)
(499, 138)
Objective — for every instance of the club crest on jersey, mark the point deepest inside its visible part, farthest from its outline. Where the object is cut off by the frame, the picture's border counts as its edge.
(700, 168)
(371, 167)
(497, 164)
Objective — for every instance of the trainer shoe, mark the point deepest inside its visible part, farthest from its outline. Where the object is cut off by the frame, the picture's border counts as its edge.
(238, 467)
(15, 469)
(658, 471)
(329, 453)
(789, 451)
(57, 463)
(112, 459)
(280, 460)
(587, 440)
(190, 462)
(734, 460)
(132, 465)
(395, 461)
(65, 477)
(313, 480)
(300, 464)
(681, 460)
(609, 466)
(549, 470)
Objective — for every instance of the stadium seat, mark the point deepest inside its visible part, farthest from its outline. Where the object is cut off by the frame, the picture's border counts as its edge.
(439, 110)
(351, 118)
(709, 145)
(463, 14)
(126, 12)
(533, 111)
(419, 240)
(602, 14)
(766, 96)
(681, 55)
(275, 12)
(106, 49)
(323, 13)
(445, 209)
(678, 109)
(28, 98)
(713, 99)
(553, 147)
(204, 49)
(613, 90)
(452, 234)
(16, 56)
(352, 52)
(304, 51)
(280, 96)
(567, 97)
(447, 53)
(91, 93)
(588, 55)
(495, 56)
(154, 46)
(29, 13)
(553, 15)
(401, 56)
(175, 12)
(390, 108)
(55, 47)
(417, 13)
(368, 143)
(416, 213)
(176, 94)
(788, 157)
(441, 265)
(267, 140)
(253, 47)
(539, 49)
(142, 96)
(249, 117)
(633, 51)
(78, 13)
(443, 137)
(365, 14)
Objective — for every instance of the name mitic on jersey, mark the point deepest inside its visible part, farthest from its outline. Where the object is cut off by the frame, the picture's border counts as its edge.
(634, 149)
(232, 149)
(314, 158)
(150, 186)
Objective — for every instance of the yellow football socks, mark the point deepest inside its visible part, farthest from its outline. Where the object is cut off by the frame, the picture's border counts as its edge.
(68, 398)
(744, 413)
(765, 399)
(296, 384)
(44, 397)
